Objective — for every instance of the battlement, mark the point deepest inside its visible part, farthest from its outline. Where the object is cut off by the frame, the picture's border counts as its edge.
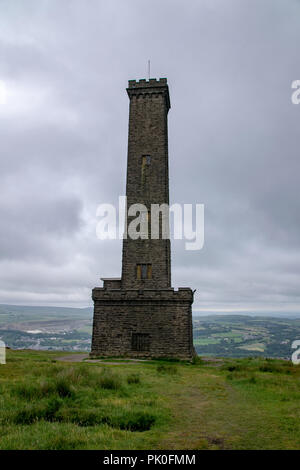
(152, 86)
(152, 82)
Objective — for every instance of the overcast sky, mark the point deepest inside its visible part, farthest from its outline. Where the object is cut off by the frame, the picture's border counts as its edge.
(233, 143)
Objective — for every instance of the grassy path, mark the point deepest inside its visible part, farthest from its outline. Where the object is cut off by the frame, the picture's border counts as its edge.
(214, 409)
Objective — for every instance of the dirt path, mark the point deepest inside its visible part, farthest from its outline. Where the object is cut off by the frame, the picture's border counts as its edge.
(72, 358)
(199, 420)
(85, 358)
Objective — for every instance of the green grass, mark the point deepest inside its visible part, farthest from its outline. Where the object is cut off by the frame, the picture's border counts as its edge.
(250, 403)
(205, 341)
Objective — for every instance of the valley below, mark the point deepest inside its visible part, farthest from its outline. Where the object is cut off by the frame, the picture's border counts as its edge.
(70, 329)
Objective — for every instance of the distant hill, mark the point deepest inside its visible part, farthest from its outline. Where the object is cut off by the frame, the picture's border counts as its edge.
(45, 311)
(70, 329)
(48, 328)
(244, 335)
(248, 314)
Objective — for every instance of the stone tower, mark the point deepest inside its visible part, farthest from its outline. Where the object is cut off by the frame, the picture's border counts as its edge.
(140, 314)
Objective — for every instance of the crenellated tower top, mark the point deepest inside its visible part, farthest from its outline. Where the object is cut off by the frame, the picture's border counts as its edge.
(151, 86)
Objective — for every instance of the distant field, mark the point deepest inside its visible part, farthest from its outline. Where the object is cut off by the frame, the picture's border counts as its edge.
(243, 336)
(70, 329)
(216, 404)
(46, 328)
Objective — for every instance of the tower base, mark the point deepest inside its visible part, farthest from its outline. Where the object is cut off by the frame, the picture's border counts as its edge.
(148, 323)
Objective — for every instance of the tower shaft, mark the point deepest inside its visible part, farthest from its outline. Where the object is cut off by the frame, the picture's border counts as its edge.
(140, 314)
(146, 262)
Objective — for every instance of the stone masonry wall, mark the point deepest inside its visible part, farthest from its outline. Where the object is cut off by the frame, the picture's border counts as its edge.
(165, 316)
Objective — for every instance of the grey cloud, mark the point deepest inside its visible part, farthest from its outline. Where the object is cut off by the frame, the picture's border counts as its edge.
(233, 137)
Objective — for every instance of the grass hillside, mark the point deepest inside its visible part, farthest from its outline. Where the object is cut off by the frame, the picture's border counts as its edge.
(216, 404)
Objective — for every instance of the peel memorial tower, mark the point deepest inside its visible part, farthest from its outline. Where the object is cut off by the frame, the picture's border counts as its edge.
(140, 315)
